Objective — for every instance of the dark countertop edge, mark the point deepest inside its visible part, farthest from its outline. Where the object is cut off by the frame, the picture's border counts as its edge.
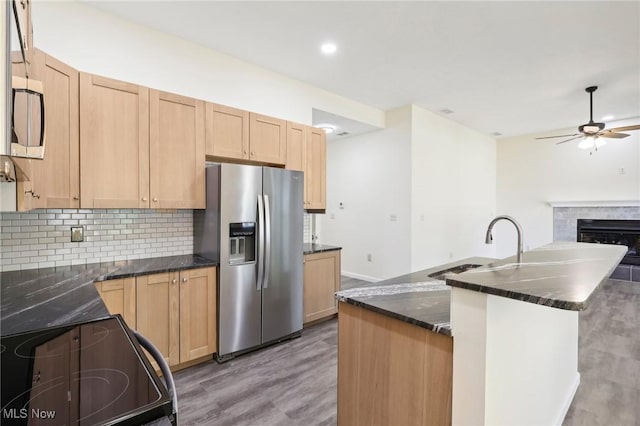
(523, 297)
(116, 275)
(311, 248)
(427, 326)
(417, 276)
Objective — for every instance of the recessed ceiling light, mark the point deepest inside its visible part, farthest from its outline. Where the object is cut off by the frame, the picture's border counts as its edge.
(446, 111)
(328, 128)
(329, 48)
(607, 117)
(496, 134)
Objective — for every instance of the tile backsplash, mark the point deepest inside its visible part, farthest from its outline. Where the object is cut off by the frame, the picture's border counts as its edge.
(42, 238)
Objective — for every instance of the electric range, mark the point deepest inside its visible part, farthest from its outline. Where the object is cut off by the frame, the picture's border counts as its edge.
(92, 373)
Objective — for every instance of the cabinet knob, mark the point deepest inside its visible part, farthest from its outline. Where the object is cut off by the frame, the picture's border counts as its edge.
(173, 281)
(155, 200)
(76, 198)
(185, 279)
(144, 198)
(244, 152)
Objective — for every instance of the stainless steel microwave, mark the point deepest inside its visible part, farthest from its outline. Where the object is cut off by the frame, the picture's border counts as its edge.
(27, 118)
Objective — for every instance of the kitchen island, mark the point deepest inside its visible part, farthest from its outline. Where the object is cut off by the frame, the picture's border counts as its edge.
(514, 329)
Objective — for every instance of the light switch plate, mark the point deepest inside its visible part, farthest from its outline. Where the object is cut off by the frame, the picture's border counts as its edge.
(77, 234)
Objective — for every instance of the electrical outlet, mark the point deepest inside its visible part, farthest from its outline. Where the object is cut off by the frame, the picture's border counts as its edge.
(621, 170)
(393, 217)
(77, 234)
(332, 216)
(369, 258)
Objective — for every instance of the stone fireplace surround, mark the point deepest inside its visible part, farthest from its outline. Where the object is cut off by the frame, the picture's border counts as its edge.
(565, 222)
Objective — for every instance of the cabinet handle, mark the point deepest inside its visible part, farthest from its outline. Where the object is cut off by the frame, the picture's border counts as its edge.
(144, 198)
(244, 152)
(185, 279)
(76, 198)
(173, 281)
(155, 200)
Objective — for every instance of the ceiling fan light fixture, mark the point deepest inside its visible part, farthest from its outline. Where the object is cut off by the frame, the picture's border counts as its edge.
(587, 143)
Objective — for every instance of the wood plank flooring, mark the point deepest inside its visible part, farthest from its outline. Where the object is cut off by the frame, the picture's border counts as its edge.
(294, 383)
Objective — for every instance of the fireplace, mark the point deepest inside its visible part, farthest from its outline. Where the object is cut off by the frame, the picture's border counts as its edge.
(621, 232)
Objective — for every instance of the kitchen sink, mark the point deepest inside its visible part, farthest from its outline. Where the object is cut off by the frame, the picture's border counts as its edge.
(447, 273)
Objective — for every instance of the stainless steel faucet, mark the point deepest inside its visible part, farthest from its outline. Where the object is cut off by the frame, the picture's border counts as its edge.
(489, 237)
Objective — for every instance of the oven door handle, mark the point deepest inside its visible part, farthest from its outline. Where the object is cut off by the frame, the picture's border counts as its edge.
(166, 373)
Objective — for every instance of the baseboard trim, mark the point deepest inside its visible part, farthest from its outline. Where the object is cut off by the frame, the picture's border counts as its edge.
(567, 402)
(360, 277)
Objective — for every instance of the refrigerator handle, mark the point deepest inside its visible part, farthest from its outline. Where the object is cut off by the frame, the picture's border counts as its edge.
(267, 237)
(261, 229)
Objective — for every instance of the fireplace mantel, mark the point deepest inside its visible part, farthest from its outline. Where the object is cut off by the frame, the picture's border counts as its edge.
(594, 203)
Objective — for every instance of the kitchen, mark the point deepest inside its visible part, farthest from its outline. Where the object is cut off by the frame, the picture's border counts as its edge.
(417, 147)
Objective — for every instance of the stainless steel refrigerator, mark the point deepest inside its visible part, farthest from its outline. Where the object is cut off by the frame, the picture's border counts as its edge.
(253, 225)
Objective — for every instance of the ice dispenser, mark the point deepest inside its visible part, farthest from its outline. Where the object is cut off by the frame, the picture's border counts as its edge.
(242, 242)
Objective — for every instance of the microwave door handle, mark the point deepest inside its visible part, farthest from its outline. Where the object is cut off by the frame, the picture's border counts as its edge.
(260, 261)
(267, 237)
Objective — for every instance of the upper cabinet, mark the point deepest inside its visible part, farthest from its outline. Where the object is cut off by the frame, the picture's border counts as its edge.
(315, 173)
(296, 146)
(114, 143)
(227, 132)
(267, 139)
(237, 135)
(56, 179)
(139, 147)
(177, 146)
(306, 151)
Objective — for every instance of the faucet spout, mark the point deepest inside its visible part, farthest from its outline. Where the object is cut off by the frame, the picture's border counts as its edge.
(489, 236)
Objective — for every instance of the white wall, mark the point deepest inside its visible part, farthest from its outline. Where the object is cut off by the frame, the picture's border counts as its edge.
(453, 190)
(532, 172)
(371, 175)
(435, 176)
(94, 41)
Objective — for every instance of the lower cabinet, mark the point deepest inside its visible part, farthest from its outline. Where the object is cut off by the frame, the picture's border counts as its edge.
(321, 281)
(120, 298)
(175, 310)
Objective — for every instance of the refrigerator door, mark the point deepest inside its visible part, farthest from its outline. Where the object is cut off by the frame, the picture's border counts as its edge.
(282, 286)
(239, 297)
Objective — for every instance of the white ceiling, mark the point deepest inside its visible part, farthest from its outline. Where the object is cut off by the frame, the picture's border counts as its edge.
(510, 67)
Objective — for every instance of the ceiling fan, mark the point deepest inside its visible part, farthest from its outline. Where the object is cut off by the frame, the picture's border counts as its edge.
(591, 132)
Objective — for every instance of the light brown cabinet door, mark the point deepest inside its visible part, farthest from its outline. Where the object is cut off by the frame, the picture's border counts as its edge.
(114, 143)
(296, 146)
(120, 298)
(177, 158)
(267, 139)
(321, 281)
(315, 170)
(157, 313)
(56, 178)
(227, 134)
(197, 313)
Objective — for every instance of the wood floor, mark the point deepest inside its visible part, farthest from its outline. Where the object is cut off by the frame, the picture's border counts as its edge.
(294, 383)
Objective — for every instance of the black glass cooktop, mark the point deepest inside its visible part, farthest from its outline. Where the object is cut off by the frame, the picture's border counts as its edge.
(85, 374)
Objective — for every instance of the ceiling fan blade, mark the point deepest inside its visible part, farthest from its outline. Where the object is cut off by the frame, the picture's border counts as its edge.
(612, 135)
(559, 136)
(625, 128)
(569, 140)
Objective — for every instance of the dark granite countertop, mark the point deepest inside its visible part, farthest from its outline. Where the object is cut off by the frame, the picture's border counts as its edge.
(559, 275)
(415, 298)
(310, 248)
(39, 298)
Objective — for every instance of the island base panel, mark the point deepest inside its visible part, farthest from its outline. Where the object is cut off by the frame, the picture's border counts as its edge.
(390, 371)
